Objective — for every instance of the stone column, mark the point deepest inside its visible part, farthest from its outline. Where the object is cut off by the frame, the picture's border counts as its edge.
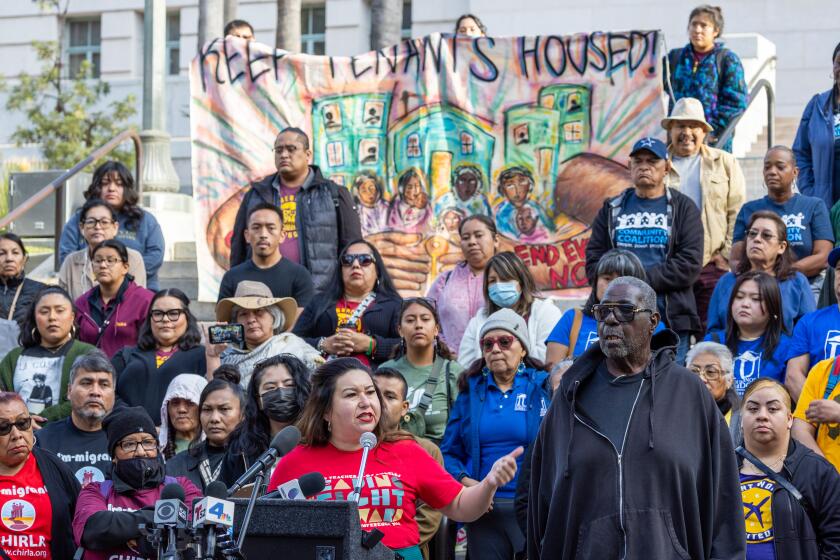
(158, 173)
(211, 14)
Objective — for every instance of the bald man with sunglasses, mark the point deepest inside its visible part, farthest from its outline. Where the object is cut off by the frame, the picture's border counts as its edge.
(633, 459)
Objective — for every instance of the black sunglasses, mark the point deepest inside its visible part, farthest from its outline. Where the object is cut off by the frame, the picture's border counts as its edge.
(22, 425)
(623, 312)
(364, 259)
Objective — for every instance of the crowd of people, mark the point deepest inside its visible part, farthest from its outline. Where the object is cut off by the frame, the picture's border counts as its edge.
(689, 409)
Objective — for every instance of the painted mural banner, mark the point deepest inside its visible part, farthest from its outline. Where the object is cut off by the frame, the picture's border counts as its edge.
(532, 131)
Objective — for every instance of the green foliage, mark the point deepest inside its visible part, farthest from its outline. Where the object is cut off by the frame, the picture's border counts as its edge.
(67, 118)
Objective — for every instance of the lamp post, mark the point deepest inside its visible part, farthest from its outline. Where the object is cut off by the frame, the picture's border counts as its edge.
(158, 174)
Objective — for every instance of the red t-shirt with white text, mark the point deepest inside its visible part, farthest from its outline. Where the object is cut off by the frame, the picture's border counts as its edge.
(396, 476)
(25, 514)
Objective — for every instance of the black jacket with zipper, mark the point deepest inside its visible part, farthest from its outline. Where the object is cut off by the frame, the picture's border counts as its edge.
(674, 279)
(794, 535)
(673, 494)
(326, 220)
(28, 290)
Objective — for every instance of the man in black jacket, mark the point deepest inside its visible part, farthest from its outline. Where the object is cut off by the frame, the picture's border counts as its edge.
(633, 459)
(662, 227)
(319, 216)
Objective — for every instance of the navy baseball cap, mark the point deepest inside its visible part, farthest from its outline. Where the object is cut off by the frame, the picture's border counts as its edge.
(653, 145)
(833, 257)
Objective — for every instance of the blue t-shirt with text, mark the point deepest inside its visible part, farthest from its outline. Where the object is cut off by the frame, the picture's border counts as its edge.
(806, 218)
(818, 334)
(588, 335)
(641, 226)
(750, 362)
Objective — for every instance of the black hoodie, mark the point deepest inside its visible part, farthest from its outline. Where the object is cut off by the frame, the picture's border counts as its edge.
(674, 492)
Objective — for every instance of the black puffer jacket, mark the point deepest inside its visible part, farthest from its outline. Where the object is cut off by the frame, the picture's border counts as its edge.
(326, 219)
(674, 279)
(672, 494)
(795, 535)
(8, 288)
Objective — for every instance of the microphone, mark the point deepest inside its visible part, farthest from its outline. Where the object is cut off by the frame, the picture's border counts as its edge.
(170, 515)
(299, 489)
(285, 440)
(211, 515)
(367, 441)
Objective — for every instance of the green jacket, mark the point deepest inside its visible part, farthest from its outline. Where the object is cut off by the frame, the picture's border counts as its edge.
(57, 411)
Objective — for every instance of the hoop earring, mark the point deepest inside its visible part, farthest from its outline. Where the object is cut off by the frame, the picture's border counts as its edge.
(73, 331)
(329, 426)
(32, 332)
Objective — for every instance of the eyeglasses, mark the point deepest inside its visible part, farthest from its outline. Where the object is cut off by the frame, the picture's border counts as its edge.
(171, 314)
(623, 312)
(132, 445)
(110, 261)
(711, 373)
(93, 222)
(22, 425)
(364, 259)
(504, 342)
(765, 235)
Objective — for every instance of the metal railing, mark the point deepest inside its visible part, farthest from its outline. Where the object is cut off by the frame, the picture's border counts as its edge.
(59, 181)
(760, 85)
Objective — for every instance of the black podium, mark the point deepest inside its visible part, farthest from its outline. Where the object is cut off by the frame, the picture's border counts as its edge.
(305, 530)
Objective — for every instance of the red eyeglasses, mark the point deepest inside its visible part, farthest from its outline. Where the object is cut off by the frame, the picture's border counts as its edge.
(504, 342)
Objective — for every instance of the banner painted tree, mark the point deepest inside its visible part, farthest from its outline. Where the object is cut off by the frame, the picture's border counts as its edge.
(533, 131)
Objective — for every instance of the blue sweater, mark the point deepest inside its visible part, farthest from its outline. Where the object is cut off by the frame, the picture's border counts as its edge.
(814, 148)
(464, 448)
(147, 239)
(797, 300)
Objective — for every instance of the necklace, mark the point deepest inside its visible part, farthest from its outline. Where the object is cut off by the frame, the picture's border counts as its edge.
(755, 470)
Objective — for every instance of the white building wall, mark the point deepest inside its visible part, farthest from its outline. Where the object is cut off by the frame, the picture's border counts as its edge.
(804, 32)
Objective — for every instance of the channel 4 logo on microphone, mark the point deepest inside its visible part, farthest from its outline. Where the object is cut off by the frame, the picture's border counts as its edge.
(213, 510)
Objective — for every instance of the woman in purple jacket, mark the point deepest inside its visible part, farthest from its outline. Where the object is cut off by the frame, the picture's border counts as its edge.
(108, 514)
(110, 314)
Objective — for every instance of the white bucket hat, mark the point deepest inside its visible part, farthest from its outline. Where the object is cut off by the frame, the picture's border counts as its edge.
(687, 109)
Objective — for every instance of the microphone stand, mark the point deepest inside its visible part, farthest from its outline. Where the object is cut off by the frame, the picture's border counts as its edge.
(357, 483)
(252, 501)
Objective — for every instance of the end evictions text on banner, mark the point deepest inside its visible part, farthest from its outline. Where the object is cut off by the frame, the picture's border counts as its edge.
(532, 131)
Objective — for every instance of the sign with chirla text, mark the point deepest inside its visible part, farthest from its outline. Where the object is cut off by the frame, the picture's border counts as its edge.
(534, 132)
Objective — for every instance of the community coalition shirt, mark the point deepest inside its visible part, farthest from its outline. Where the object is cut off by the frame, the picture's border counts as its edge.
(608, 402)
(642, 227)
(818, 335)
(396, 476)
(757, 496)
(287, 202)
(416, 376)
(750, 362)
(37, 377)
(806, 218)
(284, 279)
(25, 514)
(85, 453)
(587, 336)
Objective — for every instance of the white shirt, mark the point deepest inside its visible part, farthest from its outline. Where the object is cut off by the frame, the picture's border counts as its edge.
(688, 169)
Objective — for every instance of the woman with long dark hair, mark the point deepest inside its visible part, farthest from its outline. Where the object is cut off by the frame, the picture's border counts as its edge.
(346, 403)
(429, 368)
(277, 393)
(755, 330)
(110, 313)
(16, 290)
(508, 284)
(768, 251)
(358, 312)
(168, 344)
(138, 229)
(48, 348)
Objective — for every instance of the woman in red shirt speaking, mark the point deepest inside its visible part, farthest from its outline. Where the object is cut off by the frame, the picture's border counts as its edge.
(344, 404)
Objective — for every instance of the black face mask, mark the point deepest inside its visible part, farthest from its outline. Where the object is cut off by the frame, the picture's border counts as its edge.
(140, 472)
(281, 404)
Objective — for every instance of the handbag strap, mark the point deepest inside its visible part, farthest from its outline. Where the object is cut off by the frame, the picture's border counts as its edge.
(573, 336)
(429, 389)
(14, 303)
(781, 481)
(833, 378)
(360, 309)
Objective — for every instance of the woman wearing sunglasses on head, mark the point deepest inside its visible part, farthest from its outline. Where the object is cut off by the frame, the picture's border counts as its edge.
(168, 345)
(357, 314)
(429, 368)
(767, 250)
(503, 398)
(111, 313)
(38, 491)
